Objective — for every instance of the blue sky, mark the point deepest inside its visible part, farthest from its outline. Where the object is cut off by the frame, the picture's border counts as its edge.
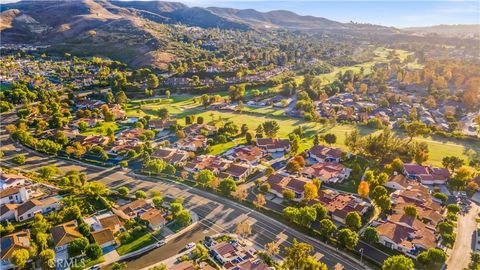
(388, 13)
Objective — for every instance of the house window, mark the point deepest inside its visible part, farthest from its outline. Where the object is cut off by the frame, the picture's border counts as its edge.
(29, 215)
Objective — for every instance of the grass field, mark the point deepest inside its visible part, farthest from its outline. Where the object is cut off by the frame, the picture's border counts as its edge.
(136, 244)
(101, 129)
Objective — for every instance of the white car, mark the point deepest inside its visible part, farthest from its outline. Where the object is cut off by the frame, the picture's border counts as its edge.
(160, 243)
(190, 245)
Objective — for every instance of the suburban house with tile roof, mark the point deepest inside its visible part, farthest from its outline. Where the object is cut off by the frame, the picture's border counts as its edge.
(154, 218)
(327, 172)
(170, 155)
(28, 209)
(15, 194)
(398, 182)
(322, 153)
(64, 234)
(10, 243)
(273, 145)
(239, 172)
(8, 180)
(406, 234)
(7, 212)
(279, 183)
(339, 204)
(160, 124)
(132, 209)
(192, 143)
(250, 154)
(427, 175)
(104, 238)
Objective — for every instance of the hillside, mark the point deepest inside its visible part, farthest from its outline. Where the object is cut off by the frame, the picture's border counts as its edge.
(463, 31)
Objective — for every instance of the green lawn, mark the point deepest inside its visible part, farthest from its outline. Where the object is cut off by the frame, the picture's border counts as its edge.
(138, 243)
(101, 129)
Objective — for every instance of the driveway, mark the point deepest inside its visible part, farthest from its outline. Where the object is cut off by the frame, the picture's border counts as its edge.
(459, 256)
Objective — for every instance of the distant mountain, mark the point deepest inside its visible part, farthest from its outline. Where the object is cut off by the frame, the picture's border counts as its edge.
(463, 31)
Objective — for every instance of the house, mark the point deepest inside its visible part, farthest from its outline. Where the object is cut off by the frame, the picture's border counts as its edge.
(132, 209)
(406, 234)
(250, 154)
(427, 175)
(273, 145)
(198, 129)
(8, 180)
(154, 218)
(89, 104)
(339, 204)
(104, 221)
(28, 209)
(170, 155)
(398, 182)
(252, 264)
(215, 164)
(16, 194)
(64, 234)
(226, 252)
(104, 238)
(93, 140)
(192, 143)
(131, 134)
(90, 121)
(187, 265)
(160, 124)
(7, 212)
(279, 183)
(327, 172)
(10, 243)
(325, 154)
(238, 171)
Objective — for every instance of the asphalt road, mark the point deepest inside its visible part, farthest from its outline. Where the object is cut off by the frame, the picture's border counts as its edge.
(216, 214)
(459, 256)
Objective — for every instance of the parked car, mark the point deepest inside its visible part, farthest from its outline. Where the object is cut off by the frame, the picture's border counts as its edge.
(160, 243)
(190, 245)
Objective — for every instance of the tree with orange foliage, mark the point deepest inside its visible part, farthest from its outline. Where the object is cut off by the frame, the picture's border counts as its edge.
(363, 189)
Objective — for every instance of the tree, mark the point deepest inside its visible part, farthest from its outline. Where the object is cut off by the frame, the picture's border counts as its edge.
(452, 163)
(270, 128)
(416, 128)
(294, 143)
(20, 257)
(271, 249)
(176, 208)
(398, 262)
(259, 201)
(298, 256)
(265, 187)
(462, 176)
(321, 211)
(348, 238)
(42, 240)
(310, 191)
(140, 194)
(169, 169)
(370, 235)
(77, 246)
(236, 92)
(410, 210)
(19, 159)
(327, 227)
(241, 194)
(378, 192)
(47, 172)
(330, 138)
(152, 81)
(228, 185)
(440, 196)
(119, 266)
(474, 261)
(163, 114)
(288, 195)
(205, 178)
(93, 251)
(293, 166)
(354, 141)
(453, 208)
(157, 201)
(123, 191)
(432, 259)
(353, 221)
(243, 229)
(384, 203)
(184, 217)
(307, 215)
(121, 98)
(363, 189)
(47, 258)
